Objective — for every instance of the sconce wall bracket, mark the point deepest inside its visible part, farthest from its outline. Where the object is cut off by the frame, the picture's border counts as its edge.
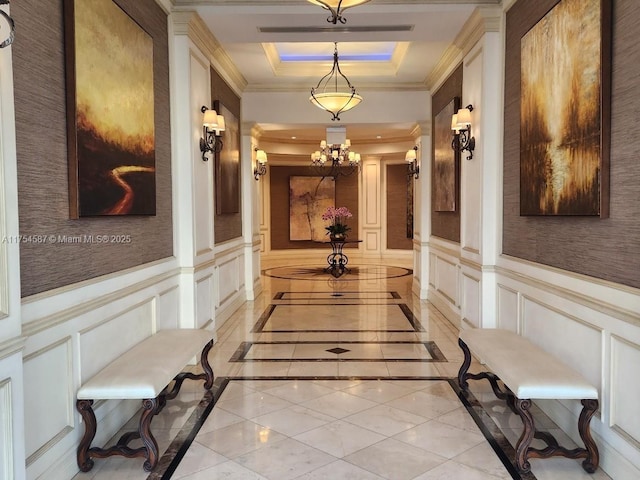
(211, 140)
(462, 138)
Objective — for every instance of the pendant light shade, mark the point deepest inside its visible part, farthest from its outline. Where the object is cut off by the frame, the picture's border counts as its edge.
(336, 7)
(333, 97)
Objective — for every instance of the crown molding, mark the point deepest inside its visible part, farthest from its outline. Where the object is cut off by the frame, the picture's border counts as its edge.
(188, 22)
(296, 3)
(482, 20)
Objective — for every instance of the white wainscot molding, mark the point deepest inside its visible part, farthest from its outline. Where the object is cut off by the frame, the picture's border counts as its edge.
(71, 333)
(593, 326)
(445, 278)
(230, 280)
(470, 304)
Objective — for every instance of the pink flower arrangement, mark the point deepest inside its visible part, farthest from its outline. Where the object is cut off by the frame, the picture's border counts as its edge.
(337, 217)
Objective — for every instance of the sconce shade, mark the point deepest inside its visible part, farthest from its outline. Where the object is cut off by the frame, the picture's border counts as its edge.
(221, 124)
(210, 119)
(454, 122)
(463, 117)
(410, 156)
(261, 156)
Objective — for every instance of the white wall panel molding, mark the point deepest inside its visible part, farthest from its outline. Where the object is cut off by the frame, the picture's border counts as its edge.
(622, 302)
(33, 306)
(6, 430)
(204, 301)
(12, 346)
(623, 388)
(102, 341)
(50, 375)
(508, 310)
(470, 300)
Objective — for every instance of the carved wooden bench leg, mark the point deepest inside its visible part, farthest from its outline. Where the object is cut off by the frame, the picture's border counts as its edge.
(150, 408)
(593, 457)
(522, 447)
(86, 411)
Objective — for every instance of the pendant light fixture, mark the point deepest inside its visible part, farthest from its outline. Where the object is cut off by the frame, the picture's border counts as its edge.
(332, 97)
(336, 7)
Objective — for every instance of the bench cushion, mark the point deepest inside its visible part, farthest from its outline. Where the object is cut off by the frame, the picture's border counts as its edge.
(529, 371)
(147, 368)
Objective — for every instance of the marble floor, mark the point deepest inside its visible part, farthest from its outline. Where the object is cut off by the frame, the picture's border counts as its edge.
(348, 378)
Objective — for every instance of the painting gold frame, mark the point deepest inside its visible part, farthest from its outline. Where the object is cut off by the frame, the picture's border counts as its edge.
(110, 111)
(565, 111)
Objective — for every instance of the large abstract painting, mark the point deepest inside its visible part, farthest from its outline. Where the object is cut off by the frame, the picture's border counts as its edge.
(444, 175)
(309, 198)
(564, 112)
(110, 111)
(228, 164)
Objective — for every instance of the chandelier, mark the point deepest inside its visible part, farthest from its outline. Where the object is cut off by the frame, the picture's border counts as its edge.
(326, 95)
(335, 156)
(336, 7)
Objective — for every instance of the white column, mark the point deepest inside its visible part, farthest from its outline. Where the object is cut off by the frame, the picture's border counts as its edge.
(251, 190)
(12, 434)
(422, 213)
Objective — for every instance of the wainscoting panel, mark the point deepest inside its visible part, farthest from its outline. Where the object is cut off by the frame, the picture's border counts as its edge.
(470, 305)
(204, 300)
(624, 389)
(432, 270)
(104, 341)
(507, 309)
(371, 241)
(371, 194)
(229, 274)
(447, 279)
(6, 429)
(49, 397)
(168, 309)
(555, 329)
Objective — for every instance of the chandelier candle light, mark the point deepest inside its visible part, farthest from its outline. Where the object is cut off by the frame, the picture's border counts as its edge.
(337, 150)
(327, 96)
(338, 229)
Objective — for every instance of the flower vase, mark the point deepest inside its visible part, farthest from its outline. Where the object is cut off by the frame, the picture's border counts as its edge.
(337, 237)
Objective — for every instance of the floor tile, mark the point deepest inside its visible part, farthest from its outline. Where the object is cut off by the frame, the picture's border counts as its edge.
(339, 438)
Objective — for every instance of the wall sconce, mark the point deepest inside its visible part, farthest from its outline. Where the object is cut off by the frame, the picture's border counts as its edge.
(212, 127)
(461, 125)
(412, 158)
(12, 26)
(261, 167)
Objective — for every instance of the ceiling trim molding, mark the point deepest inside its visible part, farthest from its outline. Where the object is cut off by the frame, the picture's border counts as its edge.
(188, 22)
(362, 87)
(270, 3)
(482, 20)
(311, 68)
(422, 129)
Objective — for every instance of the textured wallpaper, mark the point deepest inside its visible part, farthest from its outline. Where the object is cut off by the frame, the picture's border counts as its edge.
(603, 248)
(56, 251)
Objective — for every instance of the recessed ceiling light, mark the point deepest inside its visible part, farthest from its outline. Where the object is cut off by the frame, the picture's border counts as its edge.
(378, 137)
(293, 138)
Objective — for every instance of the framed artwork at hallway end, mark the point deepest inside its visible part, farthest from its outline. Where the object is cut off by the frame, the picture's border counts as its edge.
(227, 164)
(565, 111)
(110, 111)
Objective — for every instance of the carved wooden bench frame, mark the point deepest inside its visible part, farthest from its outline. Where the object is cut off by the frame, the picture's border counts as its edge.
(150, 408)
(521, 407)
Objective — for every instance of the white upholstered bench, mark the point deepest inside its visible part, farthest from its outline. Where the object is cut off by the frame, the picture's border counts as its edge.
(143, 373)
(528, 372)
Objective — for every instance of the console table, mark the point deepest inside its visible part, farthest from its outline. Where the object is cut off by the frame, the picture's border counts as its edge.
(337, 259)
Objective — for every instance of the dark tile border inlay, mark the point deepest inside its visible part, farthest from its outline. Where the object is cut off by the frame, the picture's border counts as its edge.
(328, 296)
(172, 457)
(432, 348)
(258, 327)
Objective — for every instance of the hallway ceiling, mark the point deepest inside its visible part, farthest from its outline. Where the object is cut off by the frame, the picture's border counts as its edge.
(287, 45)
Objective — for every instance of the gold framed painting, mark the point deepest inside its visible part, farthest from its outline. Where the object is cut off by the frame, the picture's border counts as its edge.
(565, 111)
(110, 111)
